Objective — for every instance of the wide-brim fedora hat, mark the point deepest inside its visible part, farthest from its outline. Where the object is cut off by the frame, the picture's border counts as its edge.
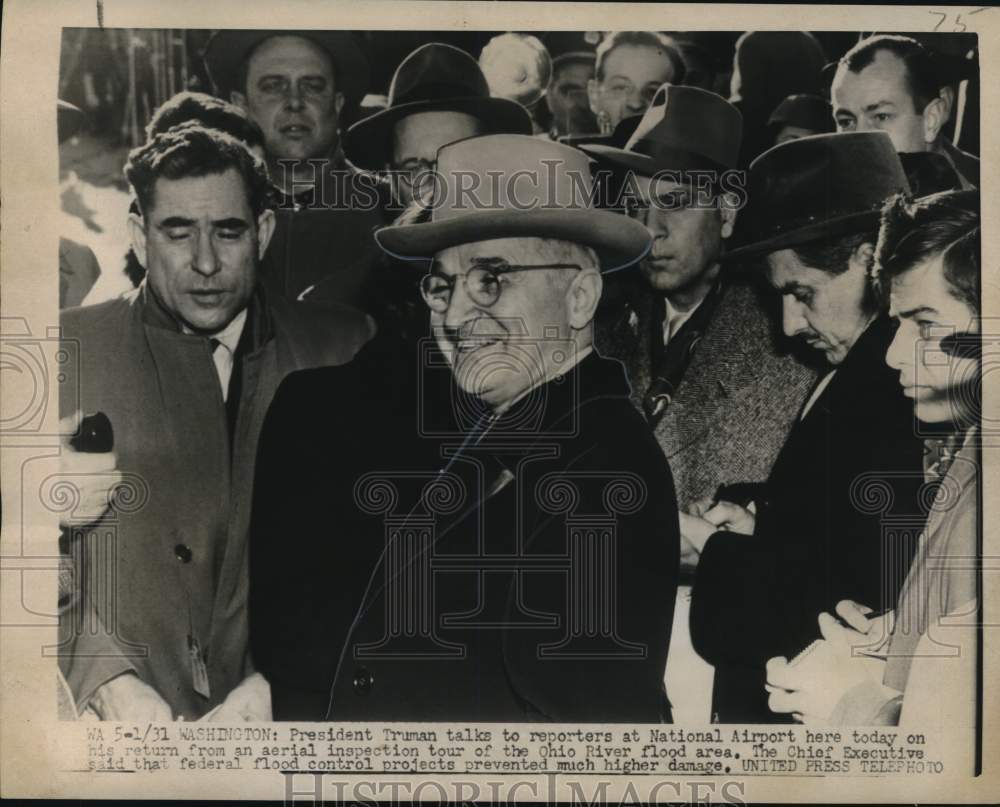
(684, 128)
(525, 187)
(434, 78)
(818, 187)
(228, 49)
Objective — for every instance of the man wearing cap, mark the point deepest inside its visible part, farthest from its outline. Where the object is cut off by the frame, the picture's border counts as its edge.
(701, 353)
(800, 115)
(566, 98)
(546, 463)
(817, 533)
(298, 86)
(438, 95)
(894, 84)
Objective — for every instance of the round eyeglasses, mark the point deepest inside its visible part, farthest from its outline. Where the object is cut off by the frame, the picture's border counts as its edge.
(481, 282)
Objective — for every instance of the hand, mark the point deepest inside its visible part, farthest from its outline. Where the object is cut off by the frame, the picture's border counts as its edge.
(700, 506)
(695, 532)
(877, 629)
(732, 517)
(127, 697)
(249, 701)
(95, 476)
(812, 687)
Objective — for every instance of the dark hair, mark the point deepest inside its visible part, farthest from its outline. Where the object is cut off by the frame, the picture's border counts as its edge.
(646, 39)
(924, 76)
(913, 231)
(209, 111)
(191, 150)
(833, 255)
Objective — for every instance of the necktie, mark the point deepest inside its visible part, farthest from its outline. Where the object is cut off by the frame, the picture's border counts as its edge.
(223, 360)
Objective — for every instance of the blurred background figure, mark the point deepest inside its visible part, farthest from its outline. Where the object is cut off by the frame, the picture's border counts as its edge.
(517, 67)
(800, 116)
(768, 66)
(78, 266)
(566, 100)
(630, 66)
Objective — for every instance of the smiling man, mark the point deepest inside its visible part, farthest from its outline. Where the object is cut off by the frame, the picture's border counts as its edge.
(184, 368)
(542, 439)
(814, 537)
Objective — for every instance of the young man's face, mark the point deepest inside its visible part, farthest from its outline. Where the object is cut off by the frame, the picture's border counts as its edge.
(878, 98)
(631, 76)
(200, 246)
(926, 309)
(291, 95)
(825, 311)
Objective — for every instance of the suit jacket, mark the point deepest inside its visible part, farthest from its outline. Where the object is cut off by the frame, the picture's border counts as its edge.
(177, 557)
(442, 571)
(967, 165)
(737, 398)
(838, 521)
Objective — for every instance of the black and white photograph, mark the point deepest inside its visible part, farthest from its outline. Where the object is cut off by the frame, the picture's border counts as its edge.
(487, 399)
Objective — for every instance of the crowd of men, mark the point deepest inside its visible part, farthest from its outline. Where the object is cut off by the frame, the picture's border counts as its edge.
(449, 415)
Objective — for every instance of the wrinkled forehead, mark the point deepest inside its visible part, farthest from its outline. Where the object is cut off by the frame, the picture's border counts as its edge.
(512, 250)
(785, 267)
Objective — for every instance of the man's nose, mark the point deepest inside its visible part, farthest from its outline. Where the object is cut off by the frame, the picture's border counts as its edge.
(897, 354)
(205, 261)
(461, 307)
(293, 98)
(793, 320)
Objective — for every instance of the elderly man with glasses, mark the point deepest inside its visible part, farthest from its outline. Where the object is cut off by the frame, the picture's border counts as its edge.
(508, 552)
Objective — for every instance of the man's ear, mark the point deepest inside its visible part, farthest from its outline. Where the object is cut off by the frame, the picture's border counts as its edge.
(582, 297)
(728, 203)
(238, 99)
(137, 235)
(265, 229)
(864, 256)
(937, 113)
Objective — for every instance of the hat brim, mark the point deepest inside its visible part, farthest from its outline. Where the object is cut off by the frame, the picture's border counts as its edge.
(227, 49)
(813, 231)
(645, 165)
(368, 143)
(618, 241)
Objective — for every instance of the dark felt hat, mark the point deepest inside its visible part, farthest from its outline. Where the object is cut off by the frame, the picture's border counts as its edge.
(543, 192)
(684, 128)
(228, 49)
(435, 77)
(819, 187)
(806, 110)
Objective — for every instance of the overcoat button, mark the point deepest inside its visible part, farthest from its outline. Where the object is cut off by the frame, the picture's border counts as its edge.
(183, 553)
(363, 680)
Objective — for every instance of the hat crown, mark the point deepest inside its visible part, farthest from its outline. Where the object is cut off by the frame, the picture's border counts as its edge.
(689, 120)
(434, 72)
(822, 178)
(510, 172)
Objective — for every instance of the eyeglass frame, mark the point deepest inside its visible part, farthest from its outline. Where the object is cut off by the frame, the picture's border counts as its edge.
(504, 269)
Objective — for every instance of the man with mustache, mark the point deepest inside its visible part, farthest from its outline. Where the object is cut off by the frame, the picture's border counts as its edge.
(184, 368)
(814, 534)
(456, 569)
(919, 665)
(299, 87)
